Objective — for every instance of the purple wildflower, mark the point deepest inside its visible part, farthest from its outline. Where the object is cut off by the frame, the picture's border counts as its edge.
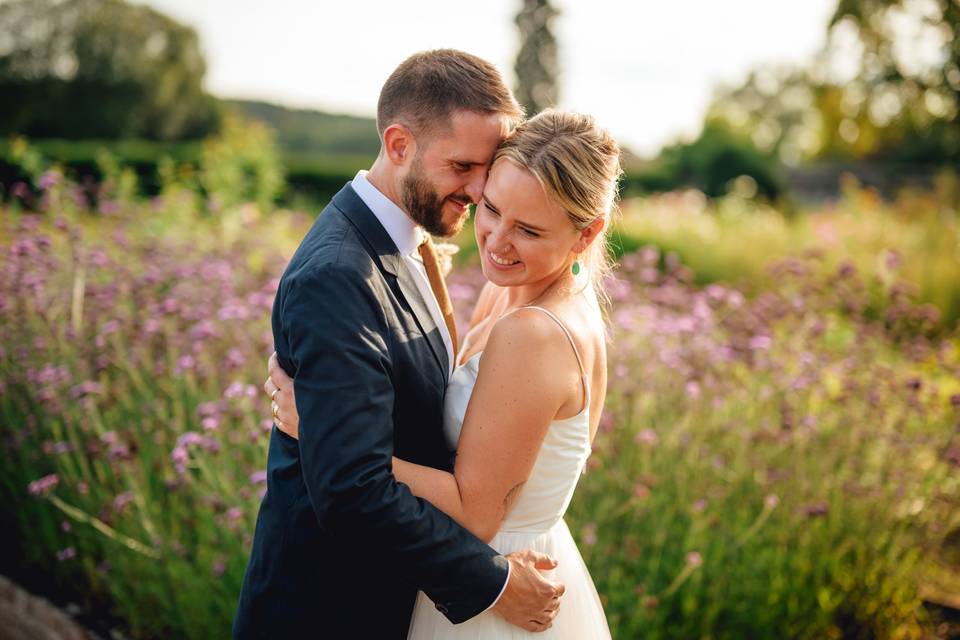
(86, 388)
(44, 485)
(647, 436)
(185, 363)
(49, 180)
(234, 390)
(590, 534)
(121, 501)
(66, 554)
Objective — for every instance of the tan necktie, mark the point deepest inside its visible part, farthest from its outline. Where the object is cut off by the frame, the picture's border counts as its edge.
(432, 264)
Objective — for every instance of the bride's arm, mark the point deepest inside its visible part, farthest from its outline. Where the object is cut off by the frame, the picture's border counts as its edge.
(525, 377)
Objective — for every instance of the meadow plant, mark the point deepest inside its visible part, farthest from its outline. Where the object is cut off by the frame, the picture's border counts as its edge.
(774, 466)
(132, 421)
(778, 464)
(912, 242)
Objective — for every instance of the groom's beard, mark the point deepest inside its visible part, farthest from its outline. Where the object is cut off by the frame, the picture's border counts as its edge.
(425, 206)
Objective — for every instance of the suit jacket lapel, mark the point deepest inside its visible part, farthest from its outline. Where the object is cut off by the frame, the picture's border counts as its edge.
(385, 251)
(422, 313)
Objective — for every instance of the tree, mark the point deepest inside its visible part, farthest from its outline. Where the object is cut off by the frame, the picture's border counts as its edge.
(102, 69)
(906, 81)
(716, 159)
(536, 65)
(775, 109)
(886, 87)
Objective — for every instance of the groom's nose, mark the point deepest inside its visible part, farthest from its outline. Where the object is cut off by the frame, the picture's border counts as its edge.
(474, 186)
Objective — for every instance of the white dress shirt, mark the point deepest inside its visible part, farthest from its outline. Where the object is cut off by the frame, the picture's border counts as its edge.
(407, 235)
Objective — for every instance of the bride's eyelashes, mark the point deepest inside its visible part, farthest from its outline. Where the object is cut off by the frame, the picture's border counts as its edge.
(530, 232)
(496, 214)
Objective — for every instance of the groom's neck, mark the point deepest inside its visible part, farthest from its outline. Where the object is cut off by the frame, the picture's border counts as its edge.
(382, 177)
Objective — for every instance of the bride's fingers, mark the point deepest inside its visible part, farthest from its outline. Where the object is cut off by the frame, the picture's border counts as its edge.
(286, 428)
(283, 426)
(277, 374)
(269, 387)
(272, 363)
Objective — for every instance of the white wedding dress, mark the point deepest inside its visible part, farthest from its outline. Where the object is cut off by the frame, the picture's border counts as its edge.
(535, 522)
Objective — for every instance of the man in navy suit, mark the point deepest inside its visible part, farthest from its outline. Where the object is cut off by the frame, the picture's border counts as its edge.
(340, 547)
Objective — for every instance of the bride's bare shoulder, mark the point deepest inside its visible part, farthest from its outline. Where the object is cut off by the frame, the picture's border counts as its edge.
(527, 336)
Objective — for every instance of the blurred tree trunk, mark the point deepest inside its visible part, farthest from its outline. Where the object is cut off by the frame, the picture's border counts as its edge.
(536, 66)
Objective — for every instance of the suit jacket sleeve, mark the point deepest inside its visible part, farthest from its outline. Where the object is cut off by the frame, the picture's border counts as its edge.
(340, 363)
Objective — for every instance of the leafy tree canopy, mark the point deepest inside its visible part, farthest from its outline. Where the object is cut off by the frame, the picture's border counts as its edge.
(100, 69)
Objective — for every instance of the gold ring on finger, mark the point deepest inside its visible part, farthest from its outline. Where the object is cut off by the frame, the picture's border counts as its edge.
(275, 408)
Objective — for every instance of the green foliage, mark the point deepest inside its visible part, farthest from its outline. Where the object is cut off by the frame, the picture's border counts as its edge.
(712, 163)
(773, 465)
(242, 164)
(100, 69)
(925, 88)
(908, 245)
(309, 132)
(894, 103)
(310, 176)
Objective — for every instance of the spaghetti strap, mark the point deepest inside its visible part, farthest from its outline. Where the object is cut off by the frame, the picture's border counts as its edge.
(576, 352)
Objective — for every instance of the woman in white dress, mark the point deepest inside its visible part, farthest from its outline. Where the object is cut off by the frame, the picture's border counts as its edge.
(524, 402)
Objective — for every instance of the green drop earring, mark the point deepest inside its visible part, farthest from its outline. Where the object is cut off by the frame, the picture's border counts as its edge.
(575, 267)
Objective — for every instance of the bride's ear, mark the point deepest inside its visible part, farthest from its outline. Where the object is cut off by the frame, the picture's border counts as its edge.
(588, 234)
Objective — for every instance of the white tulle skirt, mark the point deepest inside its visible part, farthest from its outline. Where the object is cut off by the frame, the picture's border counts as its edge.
(581, 614)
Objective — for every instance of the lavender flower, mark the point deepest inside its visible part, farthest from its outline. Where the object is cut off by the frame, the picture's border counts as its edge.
(66, 554)
(44, 485)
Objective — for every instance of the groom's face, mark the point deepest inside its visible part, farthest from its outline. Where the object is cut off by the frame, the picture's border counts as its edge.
(449, 170)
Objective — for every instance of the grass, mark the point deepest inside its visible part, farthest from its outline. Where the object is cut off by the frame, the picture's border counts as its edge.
(778, 455)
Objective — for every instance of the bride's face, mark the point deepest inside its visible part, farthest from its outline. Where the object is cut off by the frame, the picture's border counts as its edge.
(524, 237)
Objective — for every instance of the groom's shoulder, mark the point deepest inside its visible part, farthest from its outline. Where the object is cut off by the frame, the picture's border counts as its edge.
(333, 246)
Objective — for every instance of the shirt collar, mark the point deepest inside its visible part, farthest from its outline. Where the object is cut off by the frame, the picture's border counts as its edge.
(401, 228)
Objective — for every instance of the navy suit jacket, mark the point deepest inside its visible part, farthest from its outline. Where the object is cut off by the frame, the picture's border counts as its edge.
(340, 547)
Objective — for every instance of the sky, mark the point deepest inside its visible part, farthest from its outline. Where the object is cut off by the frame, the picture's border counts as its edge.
(646, 69)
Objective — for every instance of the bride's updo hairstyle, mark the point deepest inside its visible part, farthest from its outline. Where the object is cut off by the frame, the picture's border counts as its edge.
(578, 164)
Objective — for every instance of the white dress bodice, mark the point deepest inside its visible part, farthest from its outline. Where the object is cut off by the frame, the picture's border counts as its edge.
(546, 495)
(535, 522)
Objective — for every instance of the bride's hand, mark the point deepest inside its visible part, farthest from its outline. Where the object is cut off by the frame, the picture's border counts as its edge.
(279, 386)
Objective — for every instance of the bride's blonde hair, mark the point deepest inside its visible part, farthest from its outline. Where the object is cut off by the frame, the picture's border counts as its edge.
(578, 165)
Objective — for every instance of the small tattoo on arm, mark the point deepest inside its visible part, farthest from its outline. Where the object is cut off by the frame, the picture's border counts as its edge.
(512, 496)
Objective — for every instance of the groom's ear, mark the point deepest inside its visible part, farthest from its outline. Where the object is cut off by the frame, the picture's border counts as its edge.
(399, 144)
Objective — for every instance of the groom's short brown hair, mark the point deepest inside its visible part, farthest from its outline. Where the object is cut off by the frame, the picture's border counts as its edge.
(424, 91)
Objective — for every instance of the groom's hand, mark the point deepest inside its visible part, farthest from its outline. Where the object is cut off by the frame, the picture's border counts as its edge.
(530, 601)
